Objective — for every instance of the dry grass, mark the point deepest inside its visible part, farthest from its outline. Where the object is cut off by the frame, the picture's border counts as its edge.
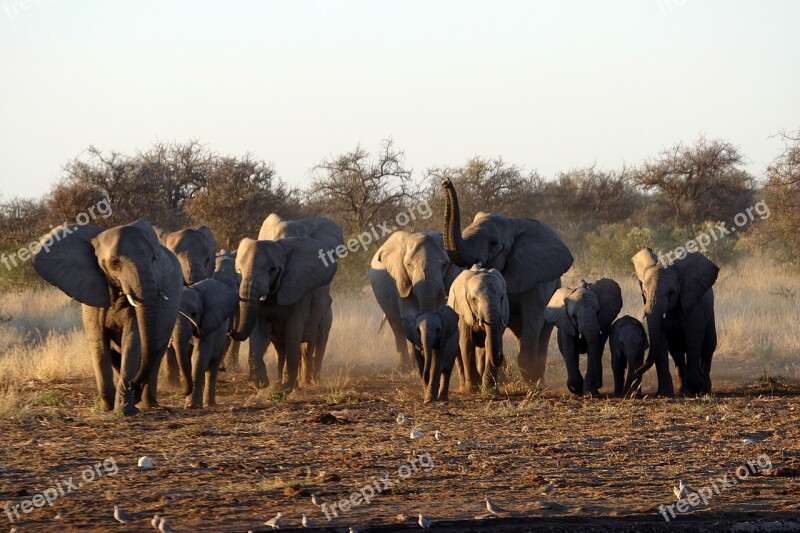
(43, 341)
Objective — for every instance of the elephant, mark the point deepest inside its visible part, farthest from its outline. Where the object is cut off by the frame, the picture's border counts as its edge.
(409, 273)
(276, 301)
(200, 338)
(195, 249)
(130, 287)
(531, 257)
(434, 338)
(225, 272)
(329, 233)
(583, 316)
(627, 341)
(679, 310)
(479, 297)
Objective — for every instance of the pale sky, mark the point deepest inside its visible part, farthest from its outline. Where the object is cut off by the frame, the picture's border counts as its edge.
(547, 85)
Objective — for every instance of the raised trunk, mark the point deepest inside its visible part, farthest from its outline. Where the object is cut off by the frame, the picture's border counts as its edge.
(457, 248)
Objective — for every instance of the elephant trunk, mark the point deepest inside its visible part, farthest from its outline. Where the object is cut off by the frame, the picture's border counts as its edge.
(245, 320)
(429, 368)
(147, 321)
(457, 248)
(657, 346)
(180, 344)
(494, 352)
(430, 295)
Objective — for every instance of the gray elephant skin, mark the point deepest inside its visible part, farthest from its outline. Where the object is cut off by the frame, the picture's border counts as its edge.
(679, 310)
(531, 257)
(627, 342)
(130, 286)
(478, 296)
(200, 337)
(410, 273)
(329, 233)
(583, 316)
(434, 337)
(195, 250)
(279, 301)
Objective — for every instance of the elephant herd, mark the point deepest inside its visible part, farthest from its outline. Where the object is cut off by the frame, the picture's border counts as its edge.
(448, 299)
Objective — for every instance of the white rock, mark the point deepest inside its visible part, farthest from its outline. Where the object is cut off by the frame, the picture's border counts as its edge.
(145, 462)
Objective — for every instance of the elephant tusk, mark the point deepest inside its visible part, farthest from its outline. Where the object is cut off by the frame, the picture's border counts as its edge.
(263, 298)
(131, 300)
(664, 315)
(580, 335)
(160, 293)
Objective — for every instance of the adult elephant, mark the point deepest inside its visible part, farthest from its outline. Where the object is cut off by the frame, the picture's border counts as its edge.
(329, 233)
(410, 274)
(530, 255)
(276, 301)
(195, 250)
(679, 310)
(478, 296)
(130, 287)
(583, 316)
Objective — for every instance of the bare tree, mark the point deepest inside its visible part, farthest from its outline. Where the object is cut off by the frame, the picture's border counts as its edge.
(357, 189)
(782, 192)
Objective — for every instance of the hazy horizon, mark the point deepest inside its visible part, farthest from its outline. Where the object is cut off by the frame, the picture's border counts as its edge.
(548, 86)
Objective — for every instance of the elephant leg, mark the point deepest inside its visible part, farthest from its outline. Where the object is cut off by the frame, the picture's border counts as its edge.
(231, 358)
(677, 350)
(258, 348)
(480, 359)
(568, 348)
(150, 390)
(618, 366)
(125, 397)
(444, 384)
(321, 345)
(306, 363)
(294, 334)
(694, 382)
(200, 361)
(210, 398)
(402, 348)
(173, 370)
(470, 369)
(662, 372)
(533, 337)
(706, 354)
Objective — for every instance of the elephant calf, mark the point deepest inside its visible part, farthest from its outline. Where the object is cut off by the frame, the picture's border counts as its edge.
(434, 338)
(583, 317)
(627, 341)
(200, 338)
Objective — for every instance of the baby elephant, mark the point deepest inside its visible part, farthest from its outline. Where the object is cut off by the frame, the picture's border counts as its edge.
(435, 339)
(200, 338)
(628, 342)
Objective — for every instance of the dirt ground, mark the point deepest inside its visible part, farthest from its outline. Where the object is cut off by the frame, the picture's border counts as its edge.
(233, 467)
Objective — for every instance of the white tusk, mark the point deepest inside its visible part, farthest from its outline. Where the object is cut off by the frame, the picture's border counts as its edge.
(130, 300)
(263, 298)
(664, 315)
(163, 295)
(580, 336)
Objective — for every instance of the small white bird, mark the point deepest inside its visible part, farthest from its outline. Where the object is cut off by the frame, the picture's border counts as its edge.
(438, 435)
(682, 490)
(403, 420)
(306, 521)
(121, 516)
(493, 508)
(423, 522)
(352, 530)
(416, 434)
(163, 527)
(316, 500)
(275, 522)
(145, 462)
(549, 488)
(748, 442)
(155, 522)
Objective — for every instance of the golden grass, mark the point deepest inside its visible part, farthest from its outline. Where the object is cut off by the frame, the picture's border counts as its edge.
(44, 341)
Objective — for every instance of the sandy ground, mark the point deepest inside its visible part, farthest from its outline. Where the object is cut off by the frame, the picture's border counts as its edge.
(233, 467)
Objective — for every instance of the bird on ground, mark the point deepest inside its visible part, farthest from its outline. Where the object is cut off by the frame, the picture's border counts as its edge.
(306, 521)
(423, 522)
(549, 488)
(438, 435)
(155, 522)
(121, 516)
(682, 490)
(493, 507)
(163, 527)
(275, 522)
(403, 420)
(316, 500)
(352, 530)
(416, 434)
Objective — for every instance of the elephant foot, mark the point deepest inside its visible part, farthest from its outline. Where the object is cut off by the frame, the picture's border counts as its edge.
(192, 406)
(591, 393)
(259, 383)
(665, 392)
(106, 406)
(130, 410)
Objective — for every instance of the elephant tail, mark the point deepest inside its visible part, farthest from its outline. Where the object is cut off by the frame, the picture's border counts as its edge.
(383, 321)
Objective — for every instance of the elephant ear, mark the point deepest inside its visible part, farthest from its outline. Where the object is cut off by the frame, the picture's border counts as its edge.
(69, 262)
(609, 297)
(149, 232)
(537, 255)
(392, 257)
(505, 310)
(449, 319)
(697, 274)
(219, 303)
(556, 311)
(458, 299)
(644, 260)
(411, 331)
(304, 270)
(211, 247)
